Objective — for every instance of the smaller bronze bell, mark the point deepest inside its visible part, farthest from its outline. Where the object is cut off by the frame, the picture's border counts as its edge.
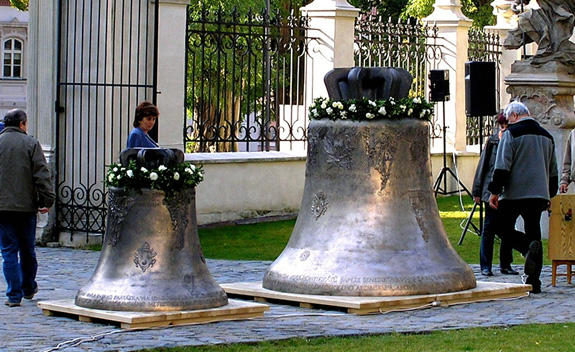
(151, 258)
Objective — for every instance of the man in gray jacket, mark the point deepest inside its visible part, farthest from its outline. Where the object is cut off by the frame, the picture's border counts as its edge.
(525, 179)
(25, 189)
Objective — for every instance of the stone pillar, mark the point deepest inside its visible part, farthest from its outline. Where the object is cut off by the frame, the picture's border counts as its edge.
(453, 36)
(41, 56)
(172, 72)
(506, 21)
(42, 53)
(332, 23)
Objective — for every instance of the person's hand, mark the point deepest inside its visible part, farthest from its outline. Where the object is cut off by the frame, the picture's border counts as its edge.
(563, 188)
(43, 210)
(477, 200)
(494, 201)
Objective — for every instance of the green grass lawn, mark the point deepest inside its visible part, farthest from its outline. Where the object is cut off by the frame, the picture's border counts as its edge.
(265, 241)
(525, 338)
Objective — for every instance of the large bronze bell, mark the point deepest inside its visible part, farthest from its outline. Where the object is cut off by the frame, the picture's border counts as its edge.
(368, 223)
(151, 258)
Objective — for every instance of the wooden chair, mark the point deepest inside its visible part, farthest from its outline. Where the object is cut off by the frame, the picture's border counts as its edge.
(562, 235)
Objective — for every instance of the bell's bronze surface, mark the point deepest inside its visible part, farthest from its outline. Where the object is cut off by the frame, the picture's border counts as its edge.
(368, 223)
(151, 258)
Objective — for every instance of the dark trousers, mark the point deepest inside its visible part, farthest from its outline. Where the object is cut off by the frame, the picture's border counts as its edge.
(530, 210)
(487, 240)
(17, 239)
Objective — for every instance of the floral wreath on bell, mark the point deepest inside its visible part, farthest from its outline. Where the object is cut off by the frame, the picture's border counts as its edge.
(171, 180)
(369, 110)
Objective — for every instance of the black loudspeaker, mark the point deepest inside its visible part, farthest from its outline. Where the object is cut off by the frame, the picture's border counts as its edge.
(480, 90)
(438, 85)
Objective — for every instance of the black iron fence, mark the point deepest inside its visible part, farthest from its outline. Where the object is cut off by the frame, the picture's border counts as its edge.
(106, 65)
(246, 86)
(484, 46)
(410, 45)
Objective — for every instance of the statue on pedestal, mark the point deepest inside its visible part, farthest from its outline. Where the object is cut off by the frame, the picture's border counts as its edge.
(550, 27)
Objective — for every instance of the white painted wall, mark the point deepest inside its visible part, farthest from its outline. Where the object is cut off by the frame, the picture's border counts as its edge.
(13, 24)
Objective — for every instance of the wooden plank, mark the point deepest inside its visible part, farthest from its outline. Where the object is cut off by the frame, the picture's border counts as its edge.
(235, 310)
(367, 305)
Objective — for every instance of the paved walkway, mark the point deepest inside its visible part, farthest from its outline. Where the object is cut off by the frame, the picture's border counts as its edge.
(63, 271)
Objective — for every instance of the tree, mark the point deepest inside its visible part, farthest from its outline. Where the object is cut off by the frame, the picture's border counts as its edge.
(480, 11)
(385, 8)
(21, 5)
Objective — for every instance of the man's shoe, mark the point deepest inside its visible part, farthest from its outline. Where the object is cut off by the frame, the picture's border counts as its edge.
(509, 271)
(12, 304)
(486, 272)
(535, 289)
(33, 293)
(534, 258)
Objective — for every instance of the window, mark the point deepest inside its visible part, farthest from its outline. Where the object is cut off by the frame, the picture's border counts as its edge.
(12, 61)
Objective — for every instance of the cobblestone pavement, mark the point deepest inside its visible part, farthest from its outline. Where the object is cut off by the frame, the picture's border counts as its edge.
(62, 271)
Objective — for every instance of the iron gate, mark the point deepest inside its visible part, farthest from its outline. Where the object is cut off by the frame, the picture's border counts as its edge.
(106, 65)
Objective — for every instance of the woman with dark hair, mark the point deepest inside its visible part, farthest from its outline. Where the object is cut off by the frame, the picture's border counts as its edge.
(144, 120)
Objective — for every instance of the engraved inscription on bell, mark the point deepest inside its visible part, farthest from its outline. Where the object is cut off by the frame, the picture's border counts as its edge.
(381, 234)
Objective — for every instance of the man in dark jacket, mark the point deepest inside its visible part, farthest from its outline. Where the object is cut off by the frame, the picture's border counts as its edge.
(525, 179)
(25, 189)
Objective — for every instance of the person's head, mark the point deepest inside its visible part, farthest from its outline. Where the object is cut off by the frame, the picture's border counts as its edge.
(16, 118)
(502, 122)
(146, 116)
(515, 111)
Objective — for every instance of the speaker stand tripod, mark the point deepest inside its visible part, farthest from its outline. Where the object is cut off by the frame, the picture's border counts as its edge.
(445, 170)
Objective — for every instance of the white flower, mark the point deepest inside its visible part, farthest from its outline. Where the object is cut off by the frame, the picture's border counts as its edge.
(212, 148)
(422, 114)
(410, 111)
(110, 177)
(176, 176)
(123, 169)
(115, 169)
(343, 115)
(193, 167)
(403, 107)
(382, 110)
(372, 103)
(324, 105)
(329, 111)
(162, 168)
(144, 170)
(130, 173)
(391, 101)
(417, 100)
(369, 115)
(153, 176)
(188, 170)
(352, 108)
(314, 112)
(338, 105)
(119, 177)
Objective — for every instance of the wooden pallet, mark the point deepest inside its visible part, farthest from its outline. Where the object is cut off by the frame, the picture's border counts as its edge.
(365, 305)
(235, 310)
